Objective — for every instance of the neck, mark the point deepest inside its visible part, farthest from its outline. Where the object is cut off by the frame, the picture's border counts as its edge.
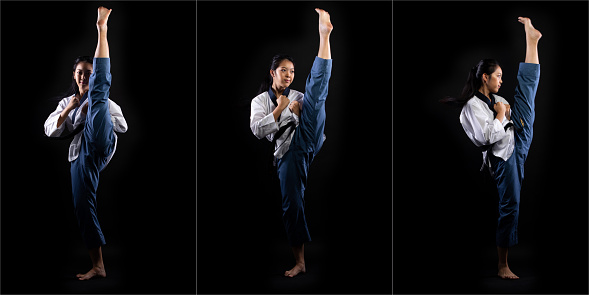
(277, 90)
(82, 92)
(485, 91)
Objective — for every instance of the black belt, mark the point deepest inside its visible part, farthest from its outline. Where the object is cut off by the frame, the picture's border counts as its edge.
(279, 133)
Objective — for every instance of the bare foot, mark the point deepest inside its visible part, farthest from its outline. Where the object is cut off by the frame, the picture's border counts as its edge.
(102, 18)
(531, 33)
(505, 273)
(298, 268)
(97, 272)
(325, 25)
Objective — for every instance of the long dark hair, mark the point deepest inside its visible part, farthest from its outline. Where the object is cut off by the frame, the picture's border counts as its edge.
(74, 89)
(276, 60)
(473, 82)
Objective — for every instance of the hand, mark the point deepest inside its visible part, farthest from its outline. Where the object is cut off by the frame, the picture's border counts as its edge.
(74, 103)
(282, 102)
(295, 107)
(500, 108)
(507, 112)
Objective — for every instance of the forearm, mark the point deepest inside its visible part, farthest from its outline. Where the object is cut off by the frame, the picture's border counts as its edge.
(500, 116)
(276, 112)
(62, 116)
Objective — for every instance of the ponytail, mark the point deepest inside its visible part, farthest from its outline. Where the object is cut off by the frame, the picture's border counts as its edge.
(473, 82)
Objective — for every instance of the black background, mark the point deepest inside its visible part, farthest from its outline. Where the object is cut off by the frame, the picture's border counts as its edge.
(444, 209)
(242, 245)
(146, 203)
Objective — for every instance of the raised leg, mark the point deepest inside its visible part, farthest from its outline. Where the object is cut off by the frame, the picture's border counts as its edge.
(99, 128)
(528, 78)
(101, 26)
(532, 38)
(312, 124)
(325, 28)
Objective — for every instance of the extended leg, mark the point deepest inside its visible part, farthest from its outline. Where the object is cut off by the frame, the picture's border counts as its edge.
(101, 25)
(532, 38)
(312, 123)
(99, 128)
(528, 77)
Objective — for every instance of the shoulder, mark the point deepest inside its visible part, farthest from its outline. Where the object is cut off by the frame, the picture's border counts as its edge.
(67, 98)
(295, 94)
(473, 102)
(500, 98)
(112, 102)
(261, 98)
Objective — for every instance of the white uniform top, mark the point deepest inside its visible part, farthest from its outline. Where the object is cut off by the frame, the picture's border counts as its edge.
(51, 129)
(262, 121)
(483, 128)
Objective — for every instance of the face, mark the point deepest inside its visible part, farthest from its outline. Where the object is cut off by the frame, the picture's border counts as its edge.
(493, 82)
(283, 75)
(82, 75)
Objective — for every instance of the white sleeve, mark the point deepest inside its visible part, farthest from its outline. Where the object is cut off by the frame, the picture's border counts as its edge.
(51, 128)
(480, 128)
(261, 124)
(116, 115)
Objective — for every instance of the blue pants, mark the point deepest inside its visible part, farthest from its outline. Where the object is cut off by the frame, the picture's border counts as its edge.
(509, 175)
(307, 141)
(97, 144)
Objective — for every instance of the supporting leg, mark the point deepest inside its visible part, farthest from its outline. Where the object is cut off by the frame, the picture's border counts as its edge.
(299, 254)
(97, 265)
(504, 271)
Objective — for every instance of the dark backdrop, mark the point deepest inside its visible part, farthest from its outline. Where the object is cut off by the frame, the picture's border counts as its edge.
(444, 209)
(242, 245)
(146, 202)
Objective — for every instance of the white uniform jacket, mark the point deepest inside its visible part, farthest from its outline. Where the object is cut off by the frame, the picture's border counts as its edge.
(484, 129)
(262, 121)
(51, 129)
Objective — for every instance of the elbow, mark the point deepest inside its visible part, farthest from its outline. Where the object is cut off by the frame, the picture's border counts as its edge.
(256, 132)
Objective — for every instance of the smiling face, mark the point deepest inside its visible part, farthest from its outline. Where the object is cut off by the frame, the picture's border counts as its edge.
(283, 75)
(82, 75)
(493, 82)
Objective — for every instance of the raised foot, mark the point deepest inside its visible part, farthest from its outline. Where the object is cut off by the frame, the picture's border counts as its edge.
(95, 272)
(505, 273)
(325, 25)
(531, 33)
(102, 18)
(297, 269)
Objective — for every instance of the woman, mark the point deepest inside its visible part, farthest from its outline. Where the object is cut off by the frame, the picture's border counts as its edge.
(90, 110)
(294, 123)
(503, 134)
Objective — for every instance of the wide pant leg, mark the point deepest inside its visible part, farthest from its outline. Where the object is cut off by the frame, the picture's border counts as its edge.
(307, 141)
(509, 175)
(97, 143)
